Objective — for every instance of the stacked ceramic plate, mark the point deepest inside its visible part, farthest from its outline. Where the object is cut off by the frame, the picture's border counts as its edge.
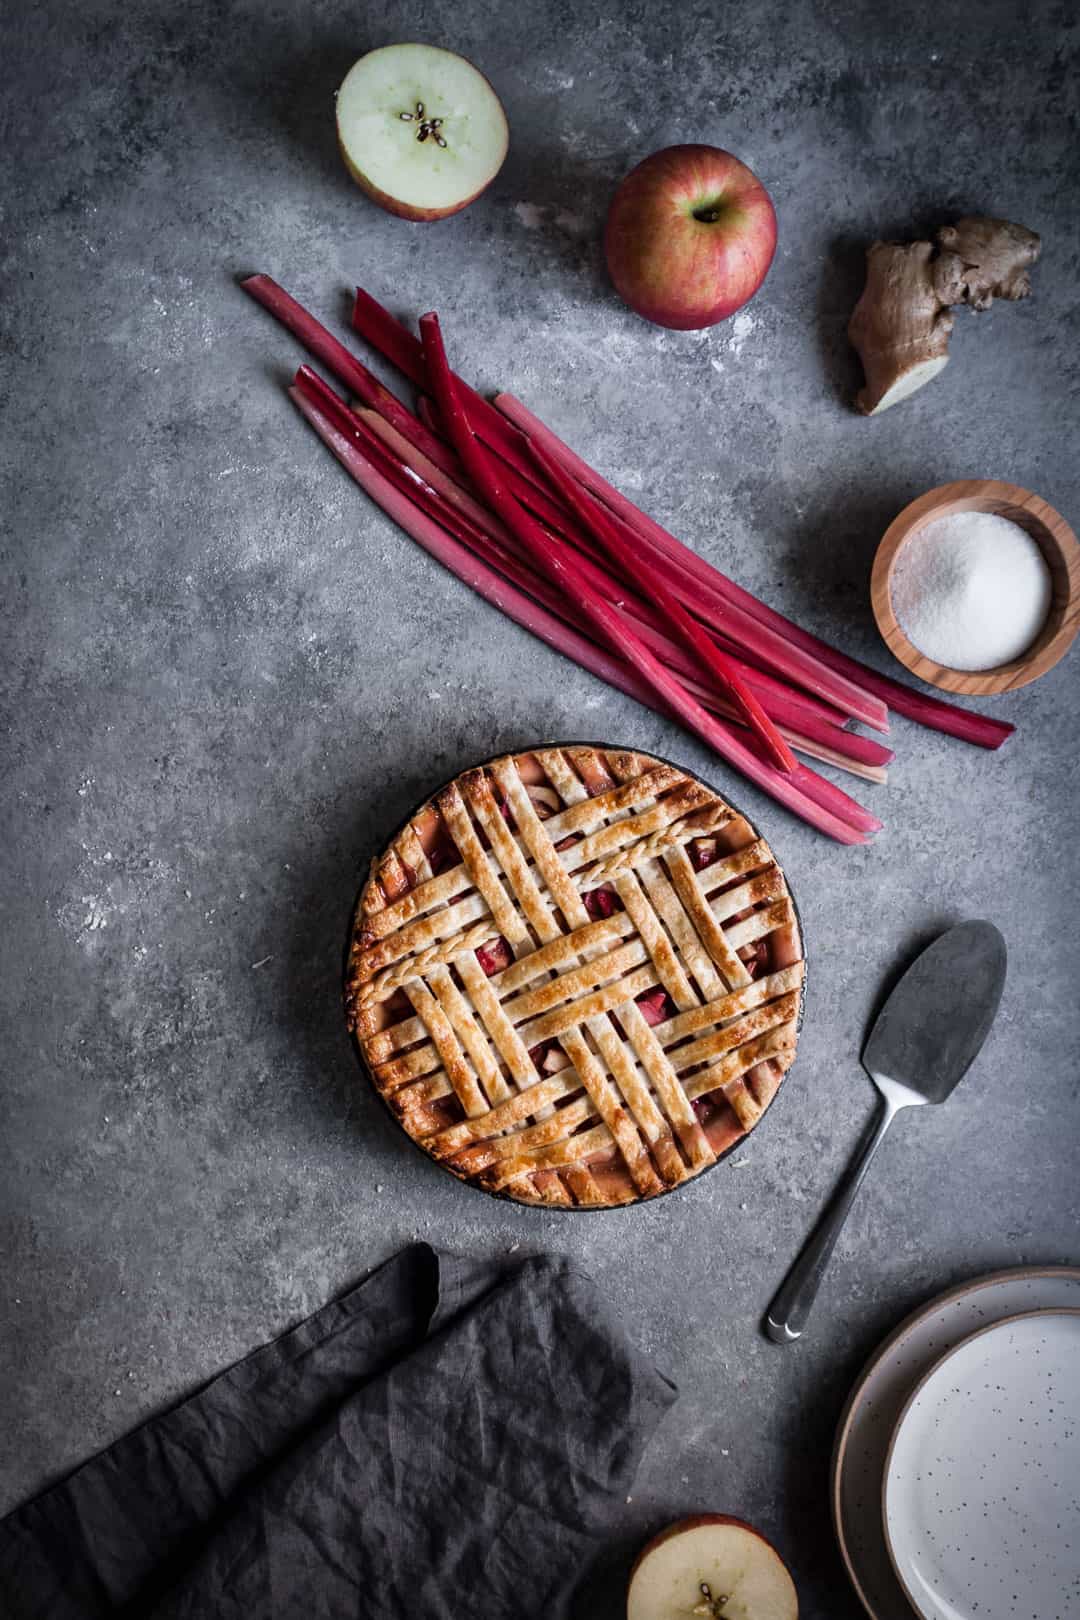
(956, 1473)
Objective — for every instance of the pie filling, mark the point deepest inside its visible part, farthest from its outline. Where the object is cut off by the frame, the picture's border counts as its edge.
(576, 976)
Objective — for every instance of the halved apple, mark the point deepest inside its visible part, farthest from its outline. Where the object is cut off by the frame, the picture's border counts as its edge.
(420, 129)
(710, 1567)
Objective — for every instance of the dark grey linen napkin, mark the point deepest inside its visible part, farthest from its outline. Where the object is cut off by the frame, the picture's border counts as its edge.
(451, 1438)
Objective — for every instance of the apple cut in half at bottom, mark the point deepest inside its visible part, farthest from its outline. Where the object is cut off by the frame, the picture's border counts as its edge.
(420, 129)
(710, 1568)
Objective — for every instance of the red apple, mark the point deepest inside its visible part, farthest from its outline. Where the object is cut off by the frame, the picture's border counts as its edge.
(691, 234)
(712, 1567)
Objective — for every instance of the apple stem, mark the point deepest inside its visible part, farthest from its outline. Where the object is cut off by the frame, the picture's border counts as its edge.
(707, 216)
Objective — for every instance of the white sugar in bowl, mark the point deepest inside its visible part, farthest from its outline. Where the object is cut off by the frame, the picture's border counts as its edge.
(987, 576)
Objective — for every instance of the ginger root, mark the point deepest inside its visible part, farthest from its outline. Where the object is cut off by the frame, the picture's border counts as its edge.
(901, 324)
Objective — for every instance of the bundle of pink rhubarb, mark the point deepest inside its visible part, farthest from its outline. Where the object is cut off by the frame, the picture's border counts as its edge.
(501, 502)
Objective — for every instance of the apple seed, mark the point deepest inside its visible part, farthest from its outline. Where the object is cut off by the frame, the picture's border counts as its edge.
(428, 126)
(713, 1607)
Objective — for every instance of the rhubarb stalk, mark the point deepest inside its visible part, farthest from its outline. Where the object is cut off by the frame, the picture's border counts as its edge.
(399, 491)
(818, 737)
(935, 713)
(731, 619)
(556, 560)
(506, 428)
(461, 561)
(397, 344)
(687, 628)
(702, 648)
(465, 566)
(346, 367)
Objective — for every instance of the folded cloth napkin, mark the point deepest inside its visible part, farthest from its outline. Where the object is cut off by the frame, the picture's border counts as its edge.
(449, 1439)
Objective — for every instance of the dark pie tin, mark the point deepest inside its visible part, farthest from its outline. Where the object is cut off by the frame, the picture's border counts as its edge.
(507, 1198)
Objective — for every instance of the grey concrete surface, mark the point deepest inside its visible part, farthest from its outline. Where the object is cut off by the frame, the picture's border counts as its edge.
(225, 677)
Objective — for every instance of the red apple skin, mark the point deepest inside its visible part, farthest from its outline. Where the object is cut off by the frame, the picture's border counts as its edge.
(678, 270)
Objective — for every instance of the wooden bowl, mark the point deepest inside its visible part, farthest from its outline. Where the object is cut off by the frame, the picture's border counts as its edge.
(1055, 539)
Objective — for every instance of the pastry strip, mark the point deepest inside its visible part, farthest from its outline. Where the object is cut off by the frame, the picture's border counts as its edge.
(720, 1075)
(663, 957)
(505, 1037)
(541, 848)
(760, 924)
(731, 1005)
(755, 1022)
(506, 917)
(457, 1069)
(611, 1111)
(602, 1000)
(566, 782)
(634, 1088)
(689, 947)
(666, 1084)
(472, 1037)
(631, 829)
(517, 1108)
(535, 908)
(705, 923)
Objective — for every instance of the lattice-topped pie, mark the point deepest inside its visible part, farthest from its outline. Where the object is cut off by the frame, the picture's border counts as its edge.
(576, 976)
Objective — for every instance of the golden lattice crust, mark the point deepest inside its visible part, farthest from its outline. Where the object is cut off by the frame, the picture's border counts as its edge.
(576, 976)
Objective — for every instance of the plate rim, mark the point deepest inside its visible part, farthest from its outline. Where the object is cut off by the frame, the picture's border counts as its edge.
(901, 1331)
(931, 1372)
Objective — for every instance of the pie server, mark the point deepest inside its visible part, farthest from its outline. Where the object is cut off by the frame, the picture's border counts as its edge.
(924, 1040)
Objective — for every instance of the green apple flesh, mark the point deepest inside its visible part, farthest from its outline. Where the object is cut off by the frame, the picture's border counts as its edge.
(711, 1567)
(394, 96)
(690, 236)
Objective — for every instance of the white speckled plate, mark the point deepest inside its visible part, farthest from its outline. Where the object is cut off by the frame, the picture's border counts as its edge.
(880, 1394)
(981, 1497)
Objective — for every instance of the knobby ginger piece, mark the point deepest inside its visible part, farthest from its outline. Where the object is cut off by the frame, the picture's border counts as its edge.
(901, 324)
(987, 258)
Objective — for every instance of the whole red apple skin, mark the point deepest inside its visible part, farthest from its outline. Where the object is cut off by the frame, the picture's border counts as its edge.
(674, 267)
